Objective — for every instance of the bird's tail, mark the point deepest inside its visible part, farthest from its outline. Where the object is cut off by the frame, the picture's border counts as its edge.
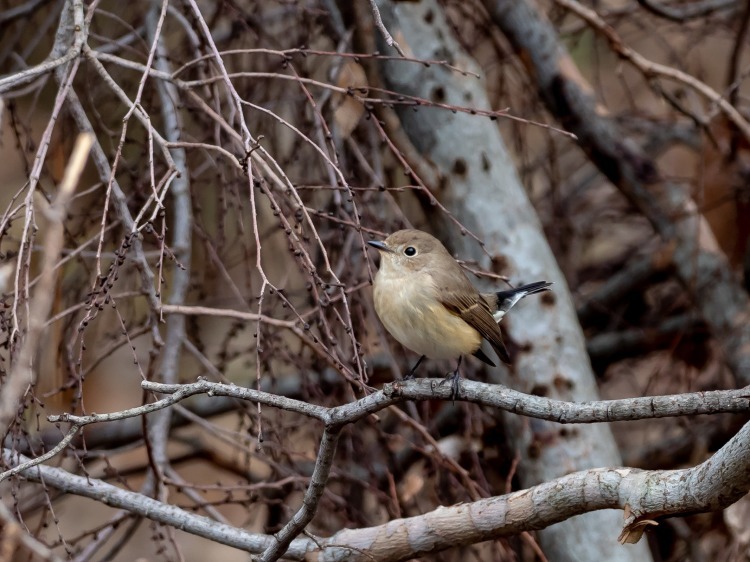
(508, 298)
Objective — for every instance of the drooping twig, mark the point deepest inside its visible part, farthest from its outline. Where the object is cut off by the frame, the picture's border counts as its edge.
(159, 425)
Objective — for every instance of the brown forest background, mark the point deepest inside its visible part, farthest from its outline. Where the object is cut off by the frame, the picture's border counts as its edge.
(220, 232)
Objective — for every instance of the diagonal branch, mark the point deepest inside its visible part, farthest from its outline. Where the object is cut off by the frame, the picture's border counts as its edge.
(642, 495)
(310, 502)
(61, 54)
(703, 269)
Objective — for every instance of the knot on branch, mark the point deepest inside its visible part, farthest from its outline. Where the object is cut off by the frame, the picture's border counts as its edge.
(392, 389)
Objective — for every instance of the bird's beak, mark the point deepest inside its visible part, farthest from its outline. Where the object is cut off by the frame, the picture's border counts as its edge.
(378, 245)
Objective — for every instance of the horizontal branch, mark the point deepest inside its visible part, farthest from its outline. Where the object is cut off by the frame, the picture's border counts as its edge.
(491, 395)
(126, 431)
(334, 418)
(190, 310)
(495, 396)
(179, 392)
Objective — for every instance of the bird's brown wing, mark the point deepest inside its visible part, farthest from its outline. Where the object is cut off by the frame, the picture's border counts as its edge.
(473, 309)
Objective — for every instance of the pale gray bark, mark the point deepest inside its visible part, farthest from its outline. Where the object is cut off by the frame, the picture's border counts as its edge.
(483, 191)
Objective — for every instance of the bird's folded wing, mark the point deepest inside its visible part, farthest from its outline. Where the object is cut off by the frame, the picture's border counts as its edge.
(473, 309)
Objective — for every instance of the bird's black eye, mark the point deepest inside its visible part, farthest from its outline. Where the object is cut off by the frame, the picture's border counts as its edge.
(410, 251)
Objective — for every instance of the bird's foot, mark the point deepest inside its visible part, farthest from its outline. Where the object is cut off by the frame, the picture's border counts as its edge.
(455, 379)
(411, 373)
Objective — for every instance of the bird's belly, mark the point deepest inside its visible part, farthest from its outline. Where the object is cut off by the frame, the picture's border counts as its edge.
(423, 324)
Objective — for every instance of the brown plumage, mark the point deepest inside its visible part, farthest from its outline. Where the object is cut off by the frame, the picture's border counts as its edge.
(426, 301)
(475, 311)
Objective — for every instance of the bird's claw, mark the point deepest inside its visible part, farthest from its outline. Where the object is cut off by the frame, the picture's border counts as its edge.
(455, 380)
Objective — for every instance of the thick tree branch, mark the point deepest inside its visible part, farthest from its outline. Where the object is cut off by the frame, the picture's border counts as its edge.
(702, 267)
(490, 395)
(642, 495)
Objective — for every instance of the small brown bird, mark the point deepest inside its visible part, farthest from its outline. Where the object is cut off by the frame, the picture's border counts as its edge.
(426, 301)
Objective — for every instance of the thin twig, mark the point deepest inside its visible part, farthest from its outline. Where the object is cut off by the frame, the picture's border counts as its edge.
(381, 26)
(653, 69)
(23, 372)
(314, 492)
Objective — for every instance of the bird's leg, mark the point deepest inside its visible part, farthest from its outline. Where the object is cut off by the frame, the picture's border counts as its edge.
(410, 375)
(455, 379)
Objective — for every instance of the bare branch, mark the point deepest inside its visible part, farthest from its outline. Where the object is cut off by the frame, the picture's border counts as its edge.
(652, 69)
(61, 54)
(702, 267)
(688, 11)
(390, 41)
(159, 424)
(642, 495)
(491, 395)
(315, 489)
(23, 372)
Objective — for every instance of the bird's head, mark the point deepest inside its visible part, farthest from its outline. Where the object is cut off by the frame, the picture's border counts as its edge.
(408, 251)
